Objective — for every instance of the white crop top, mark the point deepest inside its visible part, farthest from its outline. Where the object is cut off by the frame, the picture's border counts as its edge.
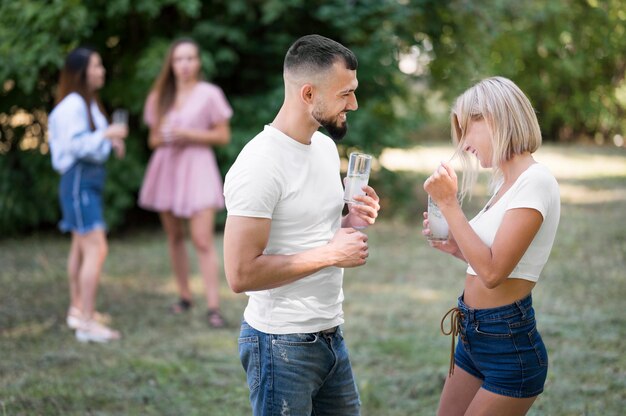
(535, 188)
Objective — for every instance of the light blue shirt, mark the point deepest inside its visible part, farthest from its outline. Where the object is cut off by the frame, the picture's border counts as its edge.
(70, 136)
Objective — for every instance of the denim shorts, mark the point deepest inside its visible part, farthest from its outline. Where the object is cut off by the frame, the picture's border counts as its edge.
(298, 374)
(80, 195)
(501, 346)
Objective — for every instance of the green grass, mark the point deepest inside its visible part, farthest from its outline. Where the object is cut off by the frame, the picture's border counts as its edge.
(175, 365)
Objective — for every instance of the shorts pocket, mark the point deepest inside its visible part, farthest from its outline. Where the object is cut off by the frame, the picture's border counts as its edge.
(539, 347)
(519, 325)
(250, 360)
(493, 329)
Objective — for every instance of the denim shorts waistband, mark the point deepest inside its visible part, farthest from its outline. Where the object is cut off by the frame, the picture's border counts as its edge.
(520, 307)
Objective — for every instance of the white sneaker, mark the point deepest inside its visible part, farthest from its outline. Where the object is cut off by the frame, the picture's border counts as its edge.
(92, 331)
(74, 318)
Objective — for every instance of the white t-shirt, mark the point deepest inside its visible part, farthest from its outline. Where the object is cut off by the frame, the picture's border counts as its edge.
(299, 188)
(535, 188)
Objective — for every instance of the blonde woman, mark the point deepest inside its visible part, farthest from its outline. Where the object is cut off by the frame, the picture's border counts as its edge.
(500, 362)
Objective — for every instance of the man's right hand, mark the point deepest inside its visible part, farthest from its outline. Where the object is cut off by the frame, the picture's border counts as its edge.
(349, 248)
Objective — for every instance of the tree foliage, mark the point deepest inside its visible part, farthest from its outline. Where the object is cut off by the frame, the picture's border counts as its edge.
(243, 45)
(569, 57)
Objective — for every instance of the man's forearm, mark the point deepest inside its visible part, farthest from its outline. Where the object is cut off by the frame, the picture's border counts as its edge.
(271, 271)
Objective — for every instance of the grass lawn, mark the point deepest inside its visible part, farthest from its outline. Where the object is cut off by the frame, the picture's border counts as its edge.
(176, 365)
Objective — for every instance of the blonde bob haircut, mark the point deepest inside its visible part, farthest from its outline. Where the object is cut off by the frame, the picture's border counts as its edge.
(510, 118)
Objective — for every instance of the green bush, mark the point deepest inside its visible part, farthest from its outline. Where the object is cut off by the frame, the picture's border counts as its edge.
(242, 49)
(28, 191)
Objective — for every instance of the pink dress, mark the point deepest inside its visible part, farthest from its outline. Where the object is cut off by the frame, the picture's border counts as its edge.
(185, 179)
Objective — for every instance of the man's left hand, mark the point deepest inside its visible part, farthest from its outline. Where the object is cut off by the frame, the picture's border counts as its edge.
(364, 214)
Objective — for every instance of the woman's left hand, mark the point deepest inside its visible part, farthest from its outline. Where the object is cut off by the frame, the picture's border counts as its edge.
(442, 185)
(364, 214)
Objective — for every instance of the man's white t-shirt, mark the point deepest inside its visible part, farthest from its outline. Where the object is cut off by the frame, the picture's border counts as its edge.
(299, 188)
(535, 188)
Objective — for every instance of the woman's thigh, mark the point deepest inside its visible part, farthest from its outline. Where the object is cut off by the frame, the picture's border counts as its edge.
(488, 403)
(458, 392)
(174, 227)
(201, 225)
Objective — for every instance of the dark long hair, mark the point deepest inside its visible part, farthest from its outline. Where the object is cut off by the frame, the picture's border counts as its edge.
(73, 78)
(165, 85)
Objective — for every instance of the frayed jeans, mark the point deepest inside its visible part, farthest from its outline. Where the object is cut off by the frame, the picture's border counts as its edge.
(298, 374)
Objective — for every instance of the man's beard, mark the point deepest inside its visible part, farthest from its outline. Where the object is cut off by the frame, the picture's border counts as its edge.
(337, 132)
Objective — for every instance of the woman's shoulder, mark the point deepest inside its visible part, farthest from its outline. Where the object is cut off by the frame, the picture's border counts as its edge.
(539, 170)
(151, 98)
(71, 103)
(540, 176)
(212, 99)
(73, 100)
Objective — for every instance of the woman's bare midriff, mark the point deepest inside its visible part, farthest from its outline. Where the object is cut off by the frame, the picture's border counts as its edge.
(477, 296)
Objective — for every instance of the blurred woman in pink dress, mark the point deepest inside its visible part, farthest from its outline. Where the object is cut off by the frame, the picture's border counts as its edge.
(187, 117)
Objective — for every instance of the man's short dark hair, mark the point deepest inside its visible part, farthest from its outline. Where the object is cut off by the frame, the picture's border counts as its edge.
(317, 53)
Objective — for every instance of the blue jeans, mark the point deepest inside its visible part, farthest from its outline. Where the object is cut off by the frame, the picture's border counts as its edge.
(502, 347)
(298, 374)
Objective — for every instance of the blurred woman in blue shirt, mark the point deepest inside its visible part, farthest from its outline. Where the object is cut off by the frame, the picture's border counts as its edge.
(80, 143)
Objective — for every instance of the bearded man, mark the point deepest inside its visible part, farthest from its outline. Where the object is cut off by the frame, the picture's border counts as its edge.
(286, 243)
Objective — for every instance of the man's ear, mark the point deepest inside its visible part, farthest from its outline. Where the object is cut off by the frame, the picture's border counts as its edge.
(307, 93)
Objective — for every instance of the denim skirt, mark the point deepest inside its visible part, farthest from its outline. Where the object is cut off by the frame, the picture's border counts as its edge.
(502, 347)
(80, 195)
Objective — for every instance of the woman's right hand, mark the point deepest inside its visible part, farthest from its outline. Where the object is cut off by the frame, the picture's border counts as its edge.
(442, 185)
(119, 147)
(160, 135)
(116, 132)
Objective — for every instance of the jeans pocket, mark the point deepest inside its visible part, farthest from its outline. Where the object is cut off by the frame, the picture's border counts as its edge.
(539, 347)
(340, 333)
(493, 329)
(250, 359)
(295, 340)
